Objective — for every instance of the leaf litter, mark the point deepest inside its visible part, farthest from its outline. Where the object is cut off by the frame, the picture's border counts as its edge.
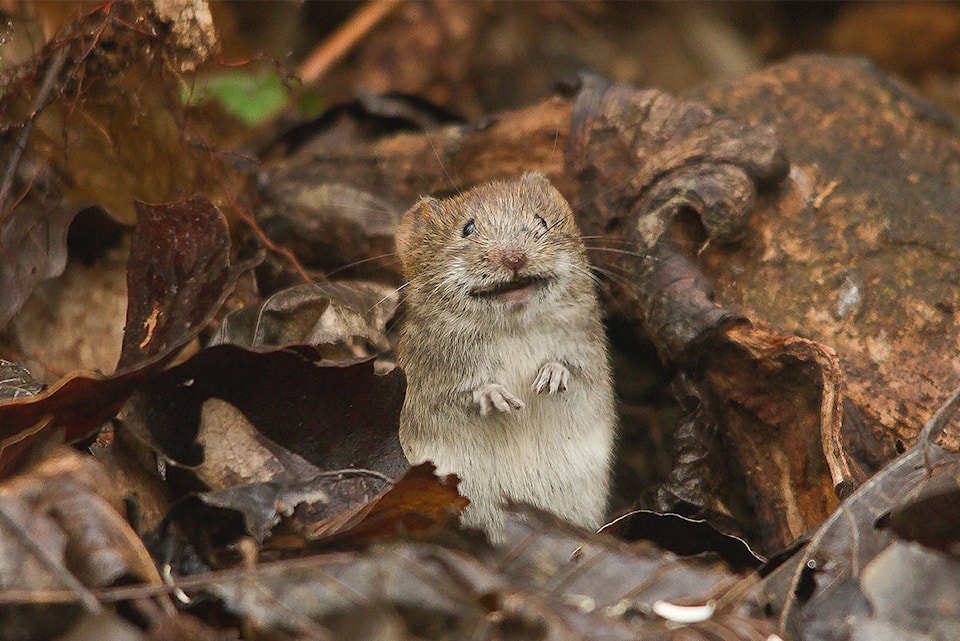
(248, 434)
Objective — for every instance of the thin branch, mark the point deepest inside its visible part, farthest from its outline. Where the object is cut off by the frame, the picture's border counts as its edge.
(39, 104)
(329, 52)
(54, 565)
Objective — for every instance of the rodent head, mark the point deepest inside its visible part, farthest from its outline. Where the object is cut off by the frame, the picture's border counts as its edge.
(500, 245)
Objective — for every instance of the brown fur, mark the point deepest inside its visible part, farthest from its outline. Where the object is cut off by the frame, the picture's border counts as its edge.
(464, 349)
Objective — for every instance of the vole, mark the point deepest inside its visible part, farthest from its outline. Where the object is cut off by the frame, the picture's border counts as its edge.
(508, 379)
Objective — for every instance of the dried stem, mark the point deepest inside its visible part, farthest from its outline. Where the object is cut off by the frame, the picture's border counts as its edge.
(39, 104)
(331, 50)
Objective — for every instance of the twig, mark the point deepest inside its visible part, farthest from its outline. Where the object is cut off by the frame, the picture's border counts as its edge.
(271, 246)
(935, 426)
(331, 50)
(54, 565)
(39, 104)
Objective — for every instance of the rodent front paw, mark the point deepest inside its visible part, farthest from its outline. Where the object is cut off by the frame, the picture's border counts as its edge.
(494, 395)
(552, 377)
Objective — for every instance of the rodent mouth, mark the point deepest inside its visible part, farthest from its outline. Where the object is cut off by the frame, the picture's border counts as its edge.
(512, 289)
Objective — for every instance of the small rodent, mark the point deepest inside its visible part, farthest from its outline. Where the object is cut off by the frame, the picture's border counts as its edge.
(508, 379)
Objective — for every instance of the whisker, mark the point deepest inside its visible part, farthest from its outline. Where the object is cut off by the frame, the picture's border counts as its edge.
(620, 279)
(442, 166)
(611, 239)
(616, 251)
(389, 294)
(343, 268)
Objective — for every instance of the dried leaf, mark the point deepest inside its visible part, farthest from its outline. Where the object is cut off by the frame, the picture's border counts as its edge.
(642, 159)
(538, 589)
(178, 275)
(79, 404)
(334, 415)
(114, 134)
(65, 507)
(803, 591)
(351, 316)
(859, 248)
(33, 243)
(916, 589)
(16, 381)
(262, 505)
(417, 503)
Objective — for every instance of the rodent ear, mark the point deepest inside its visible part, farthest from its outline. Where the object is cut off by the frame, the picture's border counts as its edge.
(413, 221)
(537, 178)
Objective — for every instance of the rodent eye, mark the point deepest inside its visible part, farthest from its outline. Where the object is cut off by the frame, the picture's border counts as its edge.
(542, 222)
(469, 228)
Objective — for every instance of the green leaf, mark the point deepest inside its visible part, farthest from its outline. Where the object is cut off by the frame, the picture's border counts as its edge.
(252, 96)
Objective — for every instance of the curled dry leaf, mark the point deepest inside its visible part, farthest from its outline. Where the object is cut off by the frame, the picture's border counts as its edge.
(858, 249)
(803, 592)
(419, 502)
(79, 404)
(333, 415)
(349, 317)
(62, 528)
(641, 159)
(178, 275)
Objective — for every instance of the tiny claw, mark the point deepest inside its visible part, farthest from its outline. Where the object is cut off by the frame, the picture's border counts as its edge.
(492, 396)
(553, 377)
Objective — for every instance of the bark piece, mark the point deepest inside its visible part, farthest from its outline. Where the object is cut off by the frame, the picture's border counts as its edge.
(858, 249)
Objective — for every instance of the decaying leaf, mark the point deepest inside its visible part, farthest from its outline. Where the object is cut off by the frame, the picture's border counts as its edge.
(16, 381)
(33, 244)
(334, 415)
(120, 138)
(179, 273)
(839, 572)
(350, 316)
(79, 404)
(551, 582)
(858, 248)
(418, 502)
(62, 528)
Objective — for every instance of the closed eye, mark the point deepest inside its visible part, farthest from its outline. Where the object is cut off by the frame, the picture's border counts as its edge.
(542, 222)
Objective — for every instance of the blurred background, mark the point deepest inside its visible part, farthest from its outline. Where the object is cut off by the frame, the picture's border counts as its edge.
(478, 57)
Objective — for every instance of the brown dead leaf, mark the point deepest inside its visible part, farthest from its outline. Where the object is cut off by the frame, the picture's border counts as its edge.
(79, 404)
(858, 249)
(178, 276)
(16, 381)
(33, 244)
(111, 127)
(840, 572)
(63, 529)
(642, 161)
(349, 317)
(417, 503)
(554, 582)
(334, 415)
